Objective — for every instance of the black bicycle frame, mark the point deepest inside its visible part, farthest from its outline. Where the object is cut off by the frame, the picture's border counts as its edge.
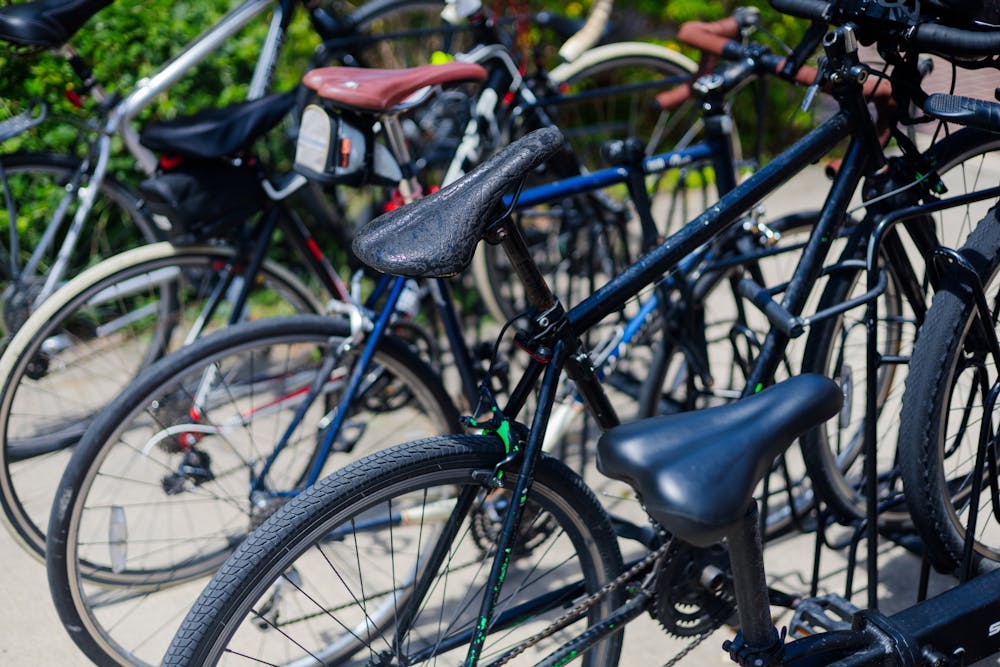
(555, 342)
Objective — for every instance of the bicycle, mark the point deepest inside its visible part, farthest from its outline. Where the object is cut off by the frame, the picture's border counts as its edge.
(105, 443)
(444, 487)
(49, 338)
(237, 348)
(835, 346)
(73, 199)
(371, 380)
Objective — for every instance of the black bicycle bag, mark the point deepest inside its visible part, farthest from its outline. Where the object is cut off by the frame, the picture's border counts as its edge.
(203, 199)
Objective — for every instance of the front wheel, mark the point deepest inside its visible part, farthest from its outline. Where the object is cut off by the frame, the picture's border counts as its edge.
(951, 374)
(171, 476)
(92, 337)
(328, 578)
(837, 347)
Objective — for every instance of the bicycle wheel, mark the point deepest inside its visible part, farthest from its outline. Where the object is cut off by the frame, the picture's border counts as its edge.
(584, 241)
(837, 347)
(943, 413)
(329, 575)
(158, 492)
(38, 187)
(609, 93)
(91, 338)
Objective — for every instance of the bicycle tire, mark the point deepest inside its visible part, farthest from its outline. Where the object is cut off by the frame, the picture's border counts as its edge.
(828, 343)
(92, 333)
(833, 468)
(581, 243)
(945, 351)
(682, 193)
(577, 522)
(37, 182)
(176, 527)
(638, 63)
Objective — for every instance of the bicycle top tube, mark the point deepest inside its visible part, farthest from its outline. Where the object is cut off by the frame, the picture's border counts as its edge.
(610, 176)
(195, 52)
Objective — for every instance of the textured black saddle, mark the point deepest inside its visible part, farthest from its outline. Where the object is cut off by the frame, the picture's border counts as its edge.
(46, 23)
(696, 471)
(436, 236)
(217, 133)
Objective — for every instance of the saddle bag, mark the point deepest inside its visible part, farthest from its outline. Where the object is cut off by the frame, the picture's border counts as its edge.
(337, 147)
(203, 199)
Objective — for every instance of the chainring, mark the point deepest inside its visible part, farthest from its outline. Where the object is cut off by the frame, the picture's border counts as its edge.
(693, 591)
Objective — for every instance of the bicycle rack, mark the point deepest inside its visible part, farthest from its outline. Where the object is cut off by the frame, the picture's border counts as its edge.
(867, 528)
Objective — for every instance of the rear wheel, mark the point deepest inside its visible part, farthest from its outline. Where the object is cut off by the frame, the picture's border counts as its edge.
(36, 187)
(584, 241)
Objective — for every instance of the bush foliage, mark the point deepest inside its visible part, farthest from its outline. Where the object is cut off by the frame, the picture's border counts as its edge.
(131, 38)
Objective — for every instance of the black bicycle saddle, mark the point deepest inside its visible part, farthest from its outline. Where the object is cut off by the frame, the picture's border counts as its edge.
(46, 23)
(696, 471)
(218, 132)
(435, 237)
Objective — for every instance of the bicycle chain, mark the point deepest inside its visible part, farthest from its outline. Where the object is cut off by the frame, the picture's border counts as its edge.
(585, 605)
(687, 649)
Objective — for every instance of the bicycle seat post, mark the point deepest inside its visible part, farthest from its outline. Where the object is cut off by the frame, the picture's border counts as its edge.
(758, 643)
(409, 188)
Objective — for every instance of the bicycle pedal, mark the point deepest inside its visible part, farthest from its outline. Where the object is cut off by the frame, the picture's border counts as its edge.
(821, 614)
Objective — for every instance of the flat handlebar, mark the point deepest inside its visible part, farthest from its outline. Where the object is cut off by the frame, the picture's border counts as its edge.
(928, 36)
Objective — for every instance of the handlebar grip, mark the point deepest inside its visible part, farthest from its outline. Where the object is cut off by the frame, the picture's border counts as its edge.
(982, 114)
(806, 9)
(590, 33)
(956, 41)
(806, 75)
(712, 37)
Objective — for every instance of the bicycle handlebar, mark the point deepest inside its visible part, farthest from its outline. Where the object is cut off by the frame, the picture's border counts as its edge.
(929, 36)
(805, 9)
(590, 33)
(712, 38)
(719, 39)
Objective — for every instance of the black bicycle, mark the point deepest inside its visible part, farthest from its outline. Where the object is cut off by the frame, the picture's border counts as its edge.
(483, 547)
